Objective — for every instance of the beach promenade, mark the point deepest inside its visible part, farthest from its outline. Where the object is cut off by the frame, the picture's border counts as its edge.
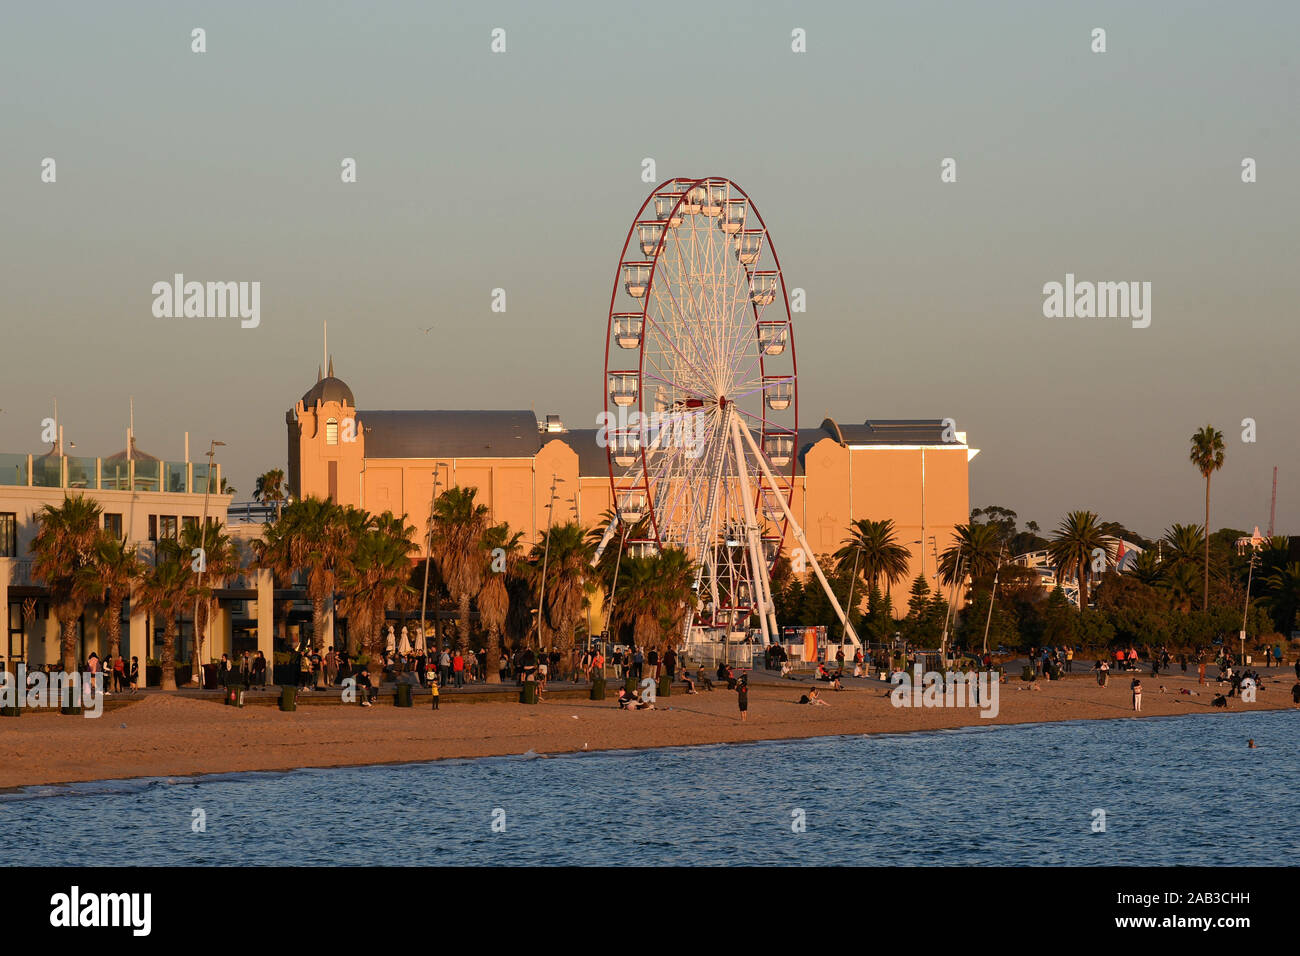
(164, 734)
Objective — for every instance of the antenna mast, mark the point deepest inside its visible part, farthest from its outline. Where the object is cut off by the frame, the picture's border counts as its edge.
(1272, 506)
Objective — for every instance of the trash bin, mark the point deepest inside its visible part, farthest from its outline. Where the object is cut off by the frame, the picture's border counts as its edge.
(288, 698)
(528, 692)
(209, 676)
(403, 698)
(629, 685)
(235, 695)
(665, 686)
(598, 688)
(11, 711)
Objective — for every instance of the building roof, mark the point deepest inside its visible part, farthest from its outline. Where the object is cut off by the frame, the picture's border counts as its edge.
(329, 389)
(592, 460)
(134, 454)
(450, 434)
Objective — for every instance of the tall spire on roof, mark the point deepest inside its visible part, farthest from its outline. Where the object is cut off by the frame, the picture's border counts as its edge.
(331, 367)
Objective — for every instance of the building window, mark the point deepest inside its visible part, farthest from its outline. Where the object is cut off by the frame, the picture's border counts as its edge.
(153, 527)
(8, 535)
(332, 432)
(167, 526)
(113, 525)
(189, 521)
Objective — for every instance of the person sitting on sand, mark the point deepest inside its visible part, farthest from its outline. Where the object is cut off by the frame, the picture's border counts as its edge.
(1219, 701)
(814, 698)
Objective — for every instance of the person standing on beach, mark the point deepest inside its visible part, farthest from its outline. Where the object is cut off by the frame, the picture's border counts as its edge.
(742, 696)
(1136, 687)
(670, 663)
(458, 669)
(1200, 668)
(135, 673)
(638, 662)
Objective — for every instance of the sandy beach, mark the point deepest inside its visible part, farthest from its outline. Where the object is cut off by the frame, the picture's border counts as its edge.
(166, 735)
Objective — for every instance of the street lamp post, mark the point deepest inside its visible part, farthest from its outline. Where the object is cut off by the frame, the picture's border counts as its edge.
(203, 563)
(428, 556)
(1245, 611)
(546, 554)
(992, 597)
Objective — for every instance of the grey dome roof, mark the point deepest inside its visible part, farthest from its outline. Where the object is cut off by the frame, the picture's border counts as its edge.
(329, 389)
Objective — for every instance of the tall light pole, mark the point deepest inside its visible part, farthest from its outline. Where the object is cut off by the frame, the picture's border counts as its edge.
(992, 597)
(1246, 610)
(546, 555)
(428, 556)
(203, 563)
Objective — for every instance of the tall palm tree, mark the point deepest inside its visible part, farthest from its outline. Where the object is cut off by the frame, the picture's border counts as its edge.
(270, 487)
(165, 593)
(117, 567)
(675, 584)
(458, 524)
(65, 549)
(376, 571)
(220, 560)
(566, 552)
(873, 546)
(1207, 455)
(311, 536)
(494, 595)
(638, 601)
(1073, 546)
(1180, 585)
(975, 552)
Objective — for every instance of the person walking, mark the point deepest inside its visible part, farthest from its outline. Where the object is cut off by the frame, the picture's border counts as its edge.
(433, 689)
(1136, 687)
(259, 671)
(331, 667)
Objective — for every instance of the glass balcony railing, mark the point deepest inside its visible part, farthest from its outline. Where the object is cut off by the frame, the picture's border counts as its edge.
(174, 476)
(90, 474)
(47, 472)
(13, 470)
(81, 472)
(148, 476)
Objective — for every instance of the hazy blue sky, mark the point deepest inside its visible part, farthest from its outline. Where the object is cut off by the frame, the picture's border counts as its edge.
(522, 171)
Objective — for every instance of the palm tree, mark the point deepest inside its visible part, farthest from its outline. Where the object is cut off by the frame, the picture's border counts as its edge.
(655, 594)
(873, 547)
(1146, 568)
(458, 525)
(377, 570)
(638, 602)
(65, 550)
(1207, 456)
(1282, 596)
(975, 552)
(1179, 584)
(1185, 543)
(1077, 539)
(311, 535)
(566, 553)
(220, 560)
(270, 487)
(494, 595)
(117, 566)
(165, 592)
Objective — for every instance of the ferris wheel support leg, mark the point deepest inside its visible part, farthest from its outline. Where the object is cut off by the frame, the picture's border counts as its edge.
(798, 533)
(758, 567)
(604, 541)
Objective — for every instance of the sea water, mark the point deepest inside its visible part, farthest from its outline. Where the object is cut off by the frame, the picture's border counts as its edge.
(1150, 791)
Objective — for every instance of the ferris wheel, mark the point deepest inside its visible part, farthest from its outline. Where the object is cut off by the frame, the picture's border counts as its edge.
(702, 398)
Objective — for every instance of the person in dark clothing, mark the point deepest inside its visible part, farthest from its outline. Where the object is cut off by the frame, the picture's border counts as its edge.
(258, 677)
(670, 663)
(370, 693)
(742, 696)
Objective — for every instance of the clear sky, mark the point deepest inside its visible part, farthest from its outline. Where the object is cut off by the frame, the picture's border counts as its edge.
(522, 171)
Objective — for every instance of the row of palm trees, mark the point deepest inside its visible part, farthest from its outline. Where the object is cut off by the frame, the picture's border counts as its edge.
(82, 564)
